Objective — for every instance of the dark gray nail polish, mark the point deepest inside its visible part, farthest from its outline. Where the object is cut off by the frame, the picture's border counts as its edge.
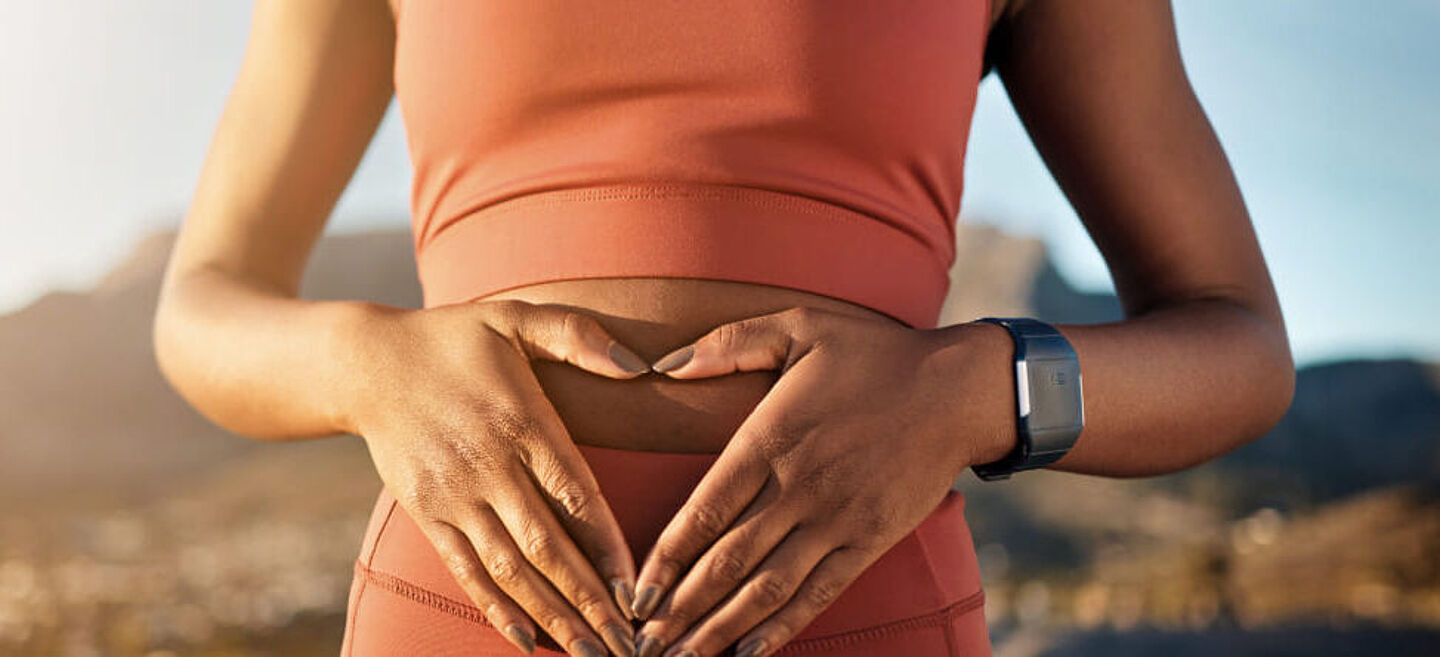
(588, 648)
(520, 638)
(649, 646)
(646, 600)
(620, 637)
(624, 596)
(675, 359)
(750, 649)
(626, 359)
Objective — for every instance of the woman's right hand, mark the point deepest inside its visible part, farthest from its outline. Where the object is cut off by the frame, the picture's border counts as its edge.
(463, 436)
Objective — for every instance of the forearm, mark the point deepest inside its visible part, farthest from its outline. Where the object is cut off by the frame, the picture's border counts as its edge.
(1164, 390)
(258, 362)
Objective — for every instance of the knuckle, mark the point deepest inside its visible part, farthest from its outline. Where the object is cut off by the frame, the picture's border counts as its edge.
(541, 547)
(821, 593)
(727, 568)
(574, 326)
(677, 618)
(772, 444)
(509, 424)
(504, 569)
(800, 315)
(554, 623)
(726, 336)
(771, 591)
(780, 629)
(503, 314)
(589, 606)
(706, 520)
(463, 569)
(667, 563)
(874, 524)
(818, 478)
(574, 499)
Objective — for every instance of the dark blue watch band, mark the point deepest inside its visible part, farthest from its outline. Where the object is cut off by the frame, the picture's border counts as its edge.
(1050, 409)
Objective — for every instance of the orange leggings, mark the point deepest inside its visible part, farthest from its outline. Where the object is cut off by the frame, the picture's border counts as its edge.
(920, 598)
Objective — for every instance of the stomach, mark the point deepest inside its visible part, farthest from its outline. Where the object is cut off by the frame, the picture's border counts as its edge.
(654, 316)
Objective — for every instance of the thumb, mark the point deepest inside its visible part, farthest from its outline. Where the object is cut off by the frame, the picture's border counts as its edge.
(767, 342)
(559, 334)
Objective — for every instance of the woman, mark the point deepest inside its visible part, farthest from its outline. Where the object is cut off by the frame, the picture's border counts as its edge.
(762, 194)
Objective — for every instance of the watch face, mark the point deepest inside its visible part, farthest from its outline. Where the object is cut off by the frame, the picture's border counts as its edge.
(1054, 399)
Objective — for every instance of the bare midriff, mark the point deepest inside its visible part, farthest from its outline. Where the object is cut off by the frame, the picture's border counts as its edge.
(654, 316)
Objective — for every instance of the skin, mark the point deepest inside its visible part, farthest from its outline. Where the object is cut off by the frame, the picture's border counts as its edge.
(471, 412)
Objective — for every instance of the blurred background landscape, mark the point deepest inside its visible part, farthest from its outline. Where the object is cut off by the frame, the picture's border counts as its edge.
(131, 527)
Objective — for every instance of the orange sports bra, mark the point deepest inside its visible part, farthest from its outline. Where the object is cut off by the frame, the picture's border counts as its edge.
(810, 144)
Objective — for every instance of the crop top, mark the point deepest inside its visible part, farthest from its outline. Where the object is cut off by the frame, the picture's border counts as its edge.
(811, 144)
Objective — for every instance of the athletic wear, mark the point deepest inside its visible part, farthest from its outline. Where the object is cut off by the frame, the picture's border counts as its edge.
(810, 144)
(921, 598)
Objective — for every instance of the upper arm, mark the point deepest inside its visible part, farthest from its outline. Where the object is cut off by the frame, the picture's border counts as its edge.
(312, 88)
(1102, 91)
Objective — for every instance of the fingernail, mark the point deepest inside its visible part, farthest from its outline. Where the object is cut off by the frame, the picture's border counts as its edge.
(675, 359)
(751, 648)
(624, 596)
(588, 648)
(649, 646)
(620, 637)
(626, 359)
(685, 653)
(645, 601)
(520, 638)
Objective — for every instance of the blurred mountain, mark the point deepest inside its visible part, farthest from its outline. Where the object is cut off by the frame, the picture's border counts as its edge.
(86, 409)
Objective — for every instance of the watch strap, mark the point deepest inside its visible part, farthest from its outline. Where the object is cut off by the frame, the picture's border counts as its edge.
(1035, 448)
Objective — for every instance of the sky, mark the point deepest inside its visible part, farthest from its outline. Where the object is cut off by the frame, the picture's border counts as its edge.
(1329, 112)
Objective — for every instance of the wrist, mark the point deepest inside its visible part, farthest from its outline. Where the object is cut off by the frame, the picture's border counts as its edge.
(978, 357)
(356, 333)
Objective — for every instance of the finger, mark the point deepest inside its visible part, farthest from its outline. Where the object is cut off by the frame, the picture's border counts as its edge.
(826, 582)
(772, 584)
(728, 487)
(510, 570)
(767, 342)
(567, 483)
(545, 332)
(546, 546)
(465, 565)
(718, 572)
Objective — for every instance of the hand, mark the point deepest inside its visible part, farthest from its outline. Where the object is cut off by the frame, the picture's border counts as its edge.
(462, 434)
(855, 444)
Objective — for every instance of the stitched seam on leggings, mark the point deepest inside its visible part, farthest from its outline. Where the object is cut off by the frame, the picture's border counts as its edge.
(421, 594)
(401, 587)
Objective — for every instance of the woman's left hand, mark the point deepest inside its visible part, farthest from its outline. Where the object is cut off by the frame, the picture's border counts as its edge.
(855, 444)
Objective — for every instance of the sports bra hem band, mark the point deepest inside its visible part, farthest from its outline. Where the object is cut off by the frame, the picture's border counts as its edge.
(688, 231)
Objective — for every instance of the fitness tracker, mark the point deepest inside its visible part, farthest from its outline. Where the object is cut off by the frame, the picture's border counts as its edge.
(1050, 405)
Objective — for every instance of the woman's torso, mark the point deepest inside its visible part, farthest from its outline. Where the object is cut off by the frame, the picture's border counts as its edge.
(854, 105)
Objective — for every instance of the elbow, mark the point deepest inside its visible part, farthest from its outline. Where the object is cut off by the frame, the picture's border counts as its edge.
(1272, 390)
(163, 346)
(176, 365)
(184, 367)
